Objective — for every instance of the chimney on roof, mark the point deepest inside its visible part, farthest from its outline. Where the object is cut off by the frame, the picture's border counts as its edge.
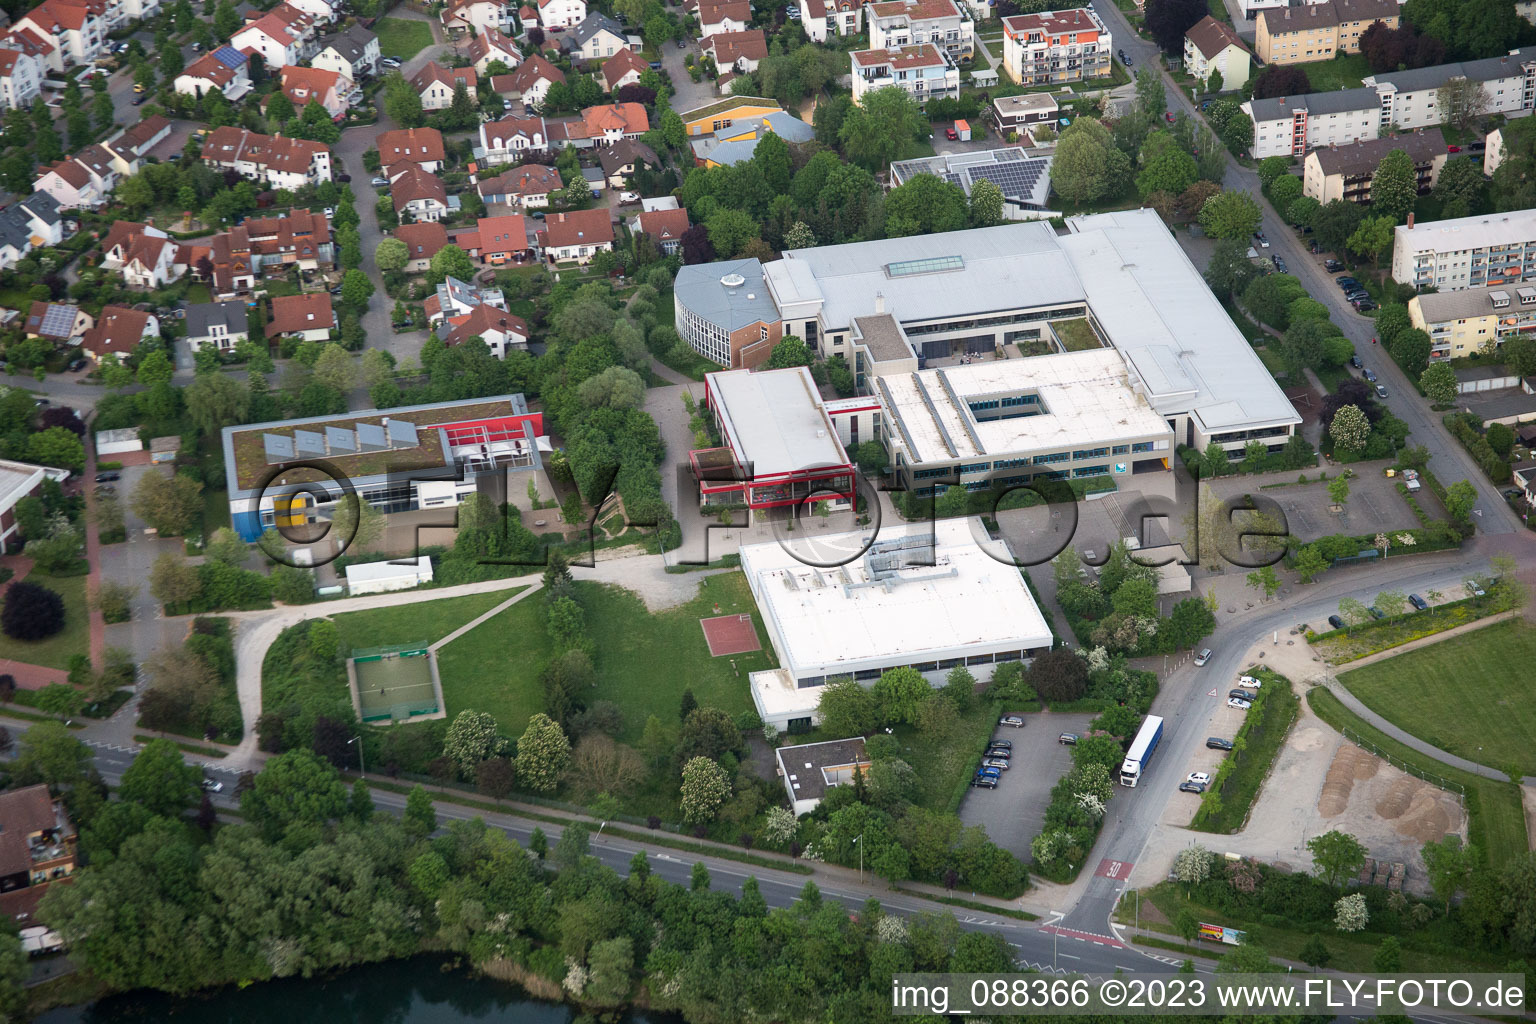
(1410, 220)
(879, 302)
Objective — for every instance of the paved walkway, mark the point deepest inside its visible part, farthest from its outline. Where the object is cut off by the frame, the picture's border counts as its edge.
(472, 623)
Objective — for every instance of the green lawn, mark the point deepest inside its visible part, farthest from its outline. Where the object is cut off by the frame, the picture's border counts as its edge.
(429, 620)
(1272, 362)
(197, 292)
(1339, 73)
(1076, 335)
(1482, 677)
(644, 662)
(1495, 815)
(74, 638)
(399, 37)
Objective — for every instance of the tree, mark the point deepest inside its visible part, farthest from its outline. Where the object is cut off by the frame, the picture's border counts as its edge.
(924, 205)
(170, 504)
(1302, 211)
(1088, 165)
(877, 130)
(1410, 349)
(1173, 171)
(471, 739)
(1266, 580)
(450, 261)
(1335, 222)
(60, 699)
(174, 580)
(1461, 188)
(391, 254)
(31, 611)
(1439, 383)
(1349, 913)
(1336, 856)
(160, 780)
(986, 204)
(296, 788)
(1192, 866)
(790, 351)
(1315, 952)
(543, 753)
(57, 446)
(1236, 132)
(847, 708)
(1460, 498)
(1059, 675)
(1168, 20)
(420, 817)
(226, 546)
(1450, 865)
(1395, 186)
(1230, 215)
(707, 732)
(705, 786)
(1338, 489)
(898, 693)
(1281, 80)
(1229, 270)
(1373, 236)
(1286, 189)
(216, 401)
(356, 289)
(1460, 102)
(1350, 429)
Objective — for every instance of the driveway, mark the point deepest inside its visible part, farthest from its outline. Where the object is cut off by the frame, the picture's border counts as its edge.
(689, 94)
(130, 562)
(1013, 812)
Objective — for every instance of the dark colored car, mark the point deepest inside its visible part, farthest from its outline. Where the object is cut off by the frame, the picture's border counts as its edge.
(1418, 602)
(1375, 612)
(343, 178)
(1363, 305)
(1369, 375)
(1346, 282)
(1331, 265)
(1001, 745)
(1069, 738)
(140, 99)
(1335, 622)
(1247, 695)
(1356, 363)
(984, 782)
(1191, 787)
(1280, 264)
(106, 478)
(1001, 755)
(1217, 743)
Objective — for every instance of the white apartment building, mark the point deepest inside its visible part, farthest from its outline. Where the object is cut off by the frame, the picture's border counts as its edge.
(1056, 46)
(922, 71)
(1292, 125)
(821, 18)
(897, 23)
(76, 32)
(21, 78)
(1410, 99)
(284, 35)
(1466, 252)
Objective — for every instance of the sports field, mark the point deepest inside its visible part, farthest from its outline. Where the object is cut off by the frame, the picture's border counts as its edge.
(396, 686)
(1472, 695)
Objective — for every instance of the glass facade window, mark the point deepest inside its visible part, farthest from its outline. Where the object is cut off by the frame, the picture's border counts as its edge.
(1090, 471)
(1046, 460)
(1090, 453)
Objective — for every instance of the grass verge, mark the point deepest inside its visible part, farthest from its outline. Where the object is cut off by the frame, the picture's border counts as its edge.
(1339, 647)
(1495, 815)
(1482, 674)
(188, 748)
(399, 37)
(653, 838)
(1224, 807)
(75, 637)
(955, 901)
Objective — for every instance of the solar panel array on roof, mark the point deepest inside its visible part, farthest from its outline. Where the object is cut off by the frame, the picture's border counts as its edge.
(340, 440)
(1017, 181)
(229, 56)
(58, 321)
(402, 432)
(309, 442)
(279, 447)
(371, 437)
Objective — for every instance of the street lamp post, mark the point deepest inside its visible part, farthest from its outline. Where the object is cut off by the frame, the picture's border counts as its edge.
(362, 769)
(860, 845)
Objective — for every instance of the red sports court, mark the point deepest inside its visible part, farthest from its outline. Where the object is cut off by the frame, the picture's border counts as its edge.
(730, 634)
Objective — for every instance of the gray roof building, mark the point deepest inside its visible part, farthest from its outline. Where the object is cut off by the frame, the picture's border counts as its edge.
(1362, 157)
(1315, 103)
(730, 295)
(203, 317)
(351, 43)
(1025, 180)
(16, 221)
(590, 26)
(1486, 70)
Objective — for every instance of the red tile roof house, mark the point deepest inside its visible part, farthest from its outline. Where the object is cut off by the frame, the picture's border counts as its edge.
(736, 51)
(528, 186)
(303, 316)
(145, 256)
(501, 331)
(614, 121)
(423, 146)
(576, 235)
(118, 331)
(497, 241)
(419, 193)
(491, 45)
(276, 159)
(530, 83)
(57, 322)
(422, 242)
(304, 85)
(666, 228)
(623, 68)
(435, 84)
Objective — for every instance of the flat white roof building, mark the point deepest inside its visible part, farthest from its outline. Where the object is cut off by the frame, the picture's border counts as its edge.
(926, 595)
(774, 419)
(1466, 252)
(379, 577)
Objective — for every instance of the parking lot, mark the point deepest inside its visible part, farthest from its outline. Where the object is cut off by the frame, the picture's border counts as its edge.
(1013, 812)
(1373, 504)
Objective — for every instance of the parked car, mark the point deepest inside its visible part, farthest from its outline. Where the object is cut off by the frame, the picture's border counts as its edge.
(1346, 283)
(1475, 588)
(629, 197)
(1335, 622)
(1356, 363)
(1332, 265)
(1217, 743)
(1258, 236)
(76, 365)
(1381, 392)
(1168, 116)
(1012, 721)
(995, 762)
(1191, 787)
(682, 44)
(1363, 305)
(1203, 778)
(1418, 602)
(141, 99)
(991, 772)
(108, 477)
(1375, 613)
(1238, 703)
(1250, 682)
(1203, 657)
(1369, 375)
(1000, 745)
(1247, 695)
(999, 753)
(1069, 738)
(1280, 264)
(379, 181)
(213, 786)
(984, 781)
(344, 178)
(1314, 247)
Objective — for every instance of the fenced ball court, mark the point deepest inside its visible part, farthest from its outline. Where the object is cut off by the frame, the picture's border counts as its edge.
(730, 634)
(395, 684)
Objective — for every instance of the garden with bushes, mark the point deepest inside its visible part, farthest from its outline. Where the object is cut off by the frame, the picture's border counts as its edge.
(192, 686)
(1117, 613)
(1229, 798)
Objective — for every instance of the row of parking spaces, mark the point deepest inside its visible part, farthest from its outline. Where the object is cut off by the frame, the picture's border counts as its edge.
(1012, 812)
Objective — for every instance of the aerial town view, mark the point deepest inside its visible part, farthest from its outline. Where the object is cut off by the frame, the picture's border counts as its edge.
(808, 511)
